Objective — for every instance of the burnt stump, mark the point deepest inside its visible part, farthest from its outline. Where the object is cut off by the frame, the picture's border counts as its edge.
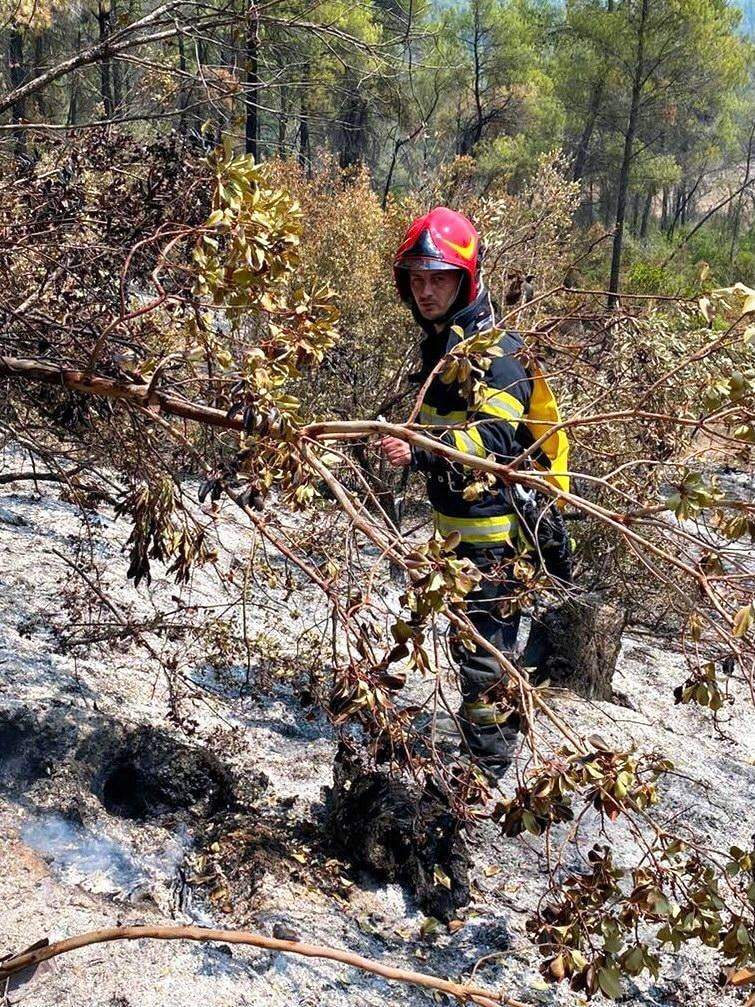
(387, 826)
(575, 645)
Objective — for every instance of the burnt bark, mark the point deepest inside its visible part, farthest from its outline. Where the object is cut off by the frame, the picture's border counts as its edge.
(252, 125)
(305, 153)
(183, 95)
(353, 131)
(737, 215)
(391, 828)
(646, 215)
(583, 147)
(106, 90)
(576, 645)
(283, 122)
(17, 77)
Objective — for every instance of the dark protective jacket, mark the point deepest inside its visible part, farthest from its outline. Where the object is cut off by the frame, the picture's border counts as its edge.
(489, 429)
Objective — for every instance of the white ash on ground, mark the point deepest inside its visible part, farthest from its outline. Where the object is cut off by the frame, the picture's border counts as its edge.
(59, 878)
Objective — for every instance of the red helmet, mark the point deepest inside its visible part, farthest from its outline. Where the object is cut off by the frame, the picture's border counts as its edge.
(442, 239)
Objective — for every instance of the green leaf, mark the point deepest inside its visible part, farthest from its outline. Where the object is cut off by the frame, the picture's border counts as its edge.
(612, 940)
(609, 982)
(716, 701)
(429, 926)
(634, 961)
(531, 824)
(448, 374)
(745, 432)
(401, 631)
(661, 905)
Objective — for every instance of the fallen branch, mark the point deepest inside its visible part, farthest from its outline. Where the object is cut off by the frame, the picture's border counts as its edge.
(464, 994)
(37, 477)
(141, 395)
(111, 388)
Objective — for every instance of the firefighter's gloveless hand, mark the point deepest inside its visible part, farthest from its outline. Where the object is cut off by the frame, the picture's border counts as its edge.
(396, 451)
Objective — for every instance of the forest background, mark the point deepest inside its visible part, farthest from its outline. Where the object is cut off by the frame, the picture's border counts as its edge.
(652, 105)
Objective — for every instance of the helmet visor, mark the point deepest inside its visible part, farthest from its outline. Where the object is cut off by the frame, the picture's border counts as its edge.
(422, 262)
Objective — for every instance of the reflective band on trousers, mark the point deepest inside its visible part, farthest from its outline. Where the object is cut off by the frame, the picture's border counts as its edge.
(478, 530)
(485, 714)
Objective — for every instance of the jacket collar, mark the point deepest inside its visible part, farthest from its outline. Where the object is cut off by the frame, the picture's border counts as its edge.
(475, 317)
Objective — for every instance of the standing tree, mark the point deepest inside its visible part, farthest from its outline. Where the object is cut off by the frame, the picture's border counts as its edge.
(662, 74)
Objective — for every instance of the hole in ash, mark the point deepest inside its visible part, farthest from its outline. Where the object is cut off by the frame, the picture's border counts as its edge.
(154, 774)
(114, 808)
(136, 773)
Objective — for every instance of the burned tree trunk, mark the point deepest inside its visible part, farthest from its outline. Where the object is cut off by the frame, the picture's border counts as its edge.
(576, 645)
(399, 833)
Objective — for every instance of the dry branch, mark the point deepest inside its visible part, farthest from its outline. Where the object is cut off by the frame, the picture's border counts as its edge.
(110, 388)
(463, 993)
(143, 396)
(111, 46)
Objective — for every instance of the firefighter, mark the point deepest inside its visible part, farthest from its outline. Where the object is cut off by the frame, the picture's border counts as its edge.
(437, 272)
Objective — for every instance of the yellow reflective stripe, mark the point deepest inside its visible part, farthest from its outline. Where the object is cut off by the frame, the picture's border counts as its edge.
(476, 437)
(477, 530)
(470, 442)
(485, 714)
(494, 402)
(431, 416)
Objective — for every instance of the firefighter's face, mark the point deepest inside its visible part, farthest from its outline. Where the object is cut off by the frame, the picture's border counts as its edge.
(434, 290)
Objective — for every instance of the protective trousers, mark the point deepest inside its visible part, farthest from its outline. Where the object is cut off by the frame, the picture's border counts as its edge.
(489, 725)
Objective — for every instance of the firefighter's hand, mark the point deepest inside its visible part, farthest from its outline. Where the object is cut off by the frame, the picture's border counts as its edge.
(396, 451)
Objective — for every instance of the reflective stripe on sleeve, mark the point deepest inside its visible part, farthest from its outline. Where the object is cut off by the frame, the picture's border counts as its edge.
(470, 442)
(431, 416)
(503, 405)
(478, 530)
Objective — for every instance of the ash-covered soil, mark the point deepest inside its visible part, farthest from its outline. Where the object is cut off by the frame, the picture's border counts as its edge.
(131, 795)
